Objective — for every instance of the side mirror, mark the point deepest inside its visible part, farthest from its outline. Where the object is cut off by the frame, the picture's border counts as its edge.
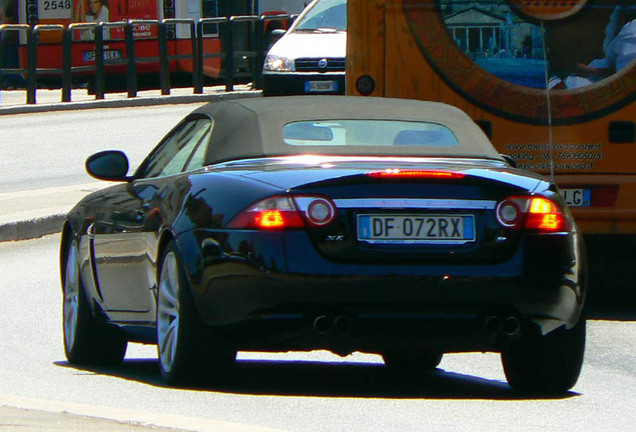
(110, 165)
(509, 160)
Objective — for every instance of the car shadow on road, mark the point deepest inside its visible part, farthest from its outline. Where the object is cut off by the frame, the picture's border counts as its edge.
(324, 379)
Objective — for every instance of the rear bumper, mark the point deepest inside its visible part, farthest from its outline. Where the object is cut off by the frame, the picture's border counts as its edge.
(278, 84)
(272, 296)
(378, 314)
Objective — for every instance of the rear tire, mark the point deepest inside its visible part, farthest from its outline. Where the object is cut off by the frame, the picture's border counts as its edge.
(86, 340)
(412, 361)
(547, 364)
(187, 352)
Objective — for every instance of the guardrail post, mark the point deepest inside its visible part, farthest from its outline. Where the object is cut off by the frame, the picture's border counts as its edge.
(258, 41)
(216, 27)
(67, 60)
(195, 56)
(131, 66)
(100, 74)
(197, 65)
(164, 64)
(32, 65)
(229, 54)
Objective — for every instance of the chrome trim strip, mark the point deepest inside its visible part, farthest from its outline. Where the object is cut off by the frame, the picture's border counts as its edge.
(419, 203)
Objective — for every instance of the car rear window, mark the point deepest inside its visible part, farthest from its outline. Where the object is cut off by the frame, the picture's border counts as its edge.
(368, 133)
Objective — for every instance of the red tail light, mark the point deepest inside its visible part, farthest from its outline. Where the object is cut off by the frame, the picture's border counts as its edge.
(271, 219)
(281, 212)
(270, 213)
(532, 213)
(396, 173)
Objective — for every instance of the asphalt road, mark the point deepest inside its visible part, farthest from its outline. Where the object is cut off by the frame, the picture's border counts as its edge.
(296, 392)
(43, 150)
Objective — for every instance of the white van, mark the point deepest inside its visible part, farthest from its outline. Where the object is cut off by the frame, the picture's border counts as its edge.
(310, 57)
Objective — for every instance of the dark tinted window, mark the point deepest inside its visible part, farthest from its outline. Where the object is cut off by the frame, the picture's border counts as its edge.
(182, 151)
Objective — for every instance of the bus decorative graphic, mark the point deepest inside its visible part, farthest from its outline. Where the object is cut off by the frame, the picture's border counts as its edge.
(499, 64)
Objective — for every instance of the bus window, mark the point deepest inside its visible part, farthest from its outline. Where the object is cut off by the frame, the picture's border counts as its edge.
(210, 9)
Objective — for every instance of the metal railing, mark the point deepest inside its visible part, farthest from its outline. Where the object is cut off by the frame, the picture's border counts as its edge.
(250, 53)
(7, 31)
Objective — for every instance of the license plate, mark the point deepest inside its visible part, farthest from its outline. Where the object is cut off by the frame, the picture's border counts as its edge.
(405, 229)
(109, 55)
(577, 197)
(320, 86)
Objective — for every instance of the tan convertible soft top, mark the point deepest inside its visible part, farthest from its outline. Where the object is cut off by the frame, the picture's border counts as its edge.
(253, 127)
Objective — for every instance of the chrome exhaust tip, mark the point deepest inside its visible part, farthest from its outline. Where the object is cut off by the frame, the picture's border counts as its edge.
(511, 326)
(492, 325)
(321, 324)
(342, 324)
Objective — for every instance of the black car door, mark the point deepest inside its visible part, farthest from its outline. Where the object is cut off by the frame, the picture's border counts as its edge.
(120, 249)
(127, 223)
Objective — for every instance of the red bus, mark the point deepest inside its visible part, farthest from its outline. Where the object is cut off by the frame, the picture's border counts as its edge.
(147, 13)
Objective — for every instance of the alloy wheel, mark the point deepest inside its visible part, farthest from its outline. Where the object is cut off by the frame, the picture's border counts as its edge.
(168, 310)
(71, 296)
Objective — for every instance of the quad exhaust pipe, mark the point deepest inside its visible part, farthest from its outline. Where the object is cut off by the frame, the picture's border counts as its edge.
(323, 324)
(508, 326)
(341, 324)
(511, 326)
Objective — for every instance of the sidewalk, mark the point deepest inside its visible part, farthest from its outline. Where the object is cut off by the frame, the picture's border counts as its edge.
(32, 214)
(15, 101)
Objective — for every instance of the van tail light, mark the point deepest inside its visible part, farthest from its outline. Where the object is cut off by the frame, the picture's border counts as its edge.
(532, 213)
(283, 212)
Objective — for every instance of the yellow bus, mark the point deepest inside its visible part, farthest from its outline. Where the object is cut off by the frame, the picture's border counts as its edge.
(552, 83)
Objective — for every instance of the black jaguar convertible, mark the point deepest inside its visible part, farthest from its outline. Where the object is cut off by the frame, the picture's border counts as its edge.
(342, 223)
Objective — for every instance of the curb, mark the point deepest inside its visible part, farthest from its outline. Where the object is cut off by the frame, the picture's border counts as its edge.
(31, 228)
(129, 102)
